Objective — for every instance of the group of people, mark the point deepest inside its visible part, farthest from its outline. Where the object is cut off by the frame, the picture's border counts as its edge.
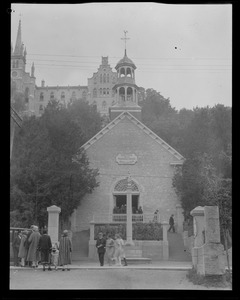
(113, 247)
(31, 248)
(123, 210)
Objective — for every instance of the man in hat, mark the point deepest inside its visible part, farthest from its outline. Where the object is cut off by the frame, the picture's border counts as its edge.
(171, 223)
(101, 248)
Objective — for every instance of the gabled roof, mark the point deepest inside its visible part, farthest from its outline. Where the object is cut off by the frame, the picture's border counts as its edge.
(149, 132)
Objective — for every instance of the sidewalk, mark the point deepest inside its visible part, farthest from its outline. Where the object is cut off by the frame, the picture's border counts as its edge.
(159, 265)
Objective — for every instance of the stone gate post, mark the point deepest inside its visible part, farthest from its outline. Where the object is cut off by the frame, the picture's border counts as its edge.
(53, 222)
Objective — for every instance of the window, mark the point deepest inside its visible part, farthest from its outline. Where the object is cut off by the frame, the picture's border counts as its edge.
(122, 72)
(41, 96)
(40, 108)
(104, 78)
(17, 64)
(107, 91)
(101, 78)
(62, 96)
(94, 92)
(52, 96)
(84, 94)
(104, 92)
(107, 77)
(73, 95)
(101, 91)
(13, 64)
(104, 104)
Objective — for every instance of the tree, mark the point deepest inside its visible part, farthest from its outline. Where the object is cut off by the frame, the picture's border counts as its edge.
(48, 166)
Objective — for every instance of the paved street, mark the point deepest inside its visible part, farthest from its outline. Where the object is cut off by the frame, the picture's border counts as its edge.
(117, 278)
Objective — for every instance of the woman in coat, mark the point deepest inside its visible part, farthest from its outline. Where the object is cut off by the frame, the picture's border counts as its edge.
(22, 249)
(33, 253)
(65, 249)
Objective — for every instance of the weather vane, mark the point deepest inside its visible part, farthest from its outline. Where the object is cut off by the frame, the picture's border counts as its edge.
(125, 38)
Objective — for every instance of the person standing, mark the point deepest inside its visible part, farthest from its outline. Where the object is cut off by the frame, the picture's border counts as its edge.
(109, 249)
(65, 249)
(119, 250)
(45, 246)
(27, 244)
(101, 248)
(15, 245)
(22, 249)
(171, 223)
(33, 254)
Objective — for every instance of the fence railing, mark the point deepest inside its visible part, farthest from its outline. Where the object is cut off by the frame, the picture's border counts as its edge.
(122, 218)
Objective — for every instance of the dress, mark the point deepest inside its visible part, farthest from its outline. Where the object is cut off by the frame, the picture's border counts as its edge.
(33, 253)
(119, 251)
(22, 249)
(65, 248)
(110, 250)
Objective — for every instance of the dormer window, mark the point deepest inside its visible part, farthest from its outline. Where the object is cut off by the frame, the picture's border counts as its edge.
(52, 96)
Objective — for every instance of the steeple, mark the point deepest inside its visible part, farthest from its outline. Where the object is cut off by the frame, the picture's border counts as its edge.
(32, 70)
(18, 45)
(126, 90)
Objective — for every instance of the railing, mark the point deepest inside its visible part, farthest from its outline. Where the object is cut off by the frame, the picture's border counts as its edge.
(122, 218)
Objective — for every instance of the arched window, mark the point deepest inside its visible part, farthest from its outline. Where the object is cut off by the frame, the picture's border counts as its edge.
(101, 78)
(41, 96)
(101, 91)
(94, 92)
(104, 78)
(122, 93)
(122, 72)
(52, 96)
(129, 72)
(129, 94)
(104, 92)
(63, 96)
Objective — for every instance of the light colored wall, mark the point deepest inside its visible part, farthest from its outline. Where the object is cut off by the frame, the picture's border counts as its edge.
(152, 173)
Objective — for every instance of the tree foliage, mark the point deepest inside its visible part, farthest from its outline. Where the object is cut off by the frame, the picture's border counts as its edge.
(48, 167)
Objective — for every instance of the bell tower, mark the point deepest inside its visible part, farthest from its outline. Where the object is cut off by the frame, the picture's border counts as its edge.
(125, 89)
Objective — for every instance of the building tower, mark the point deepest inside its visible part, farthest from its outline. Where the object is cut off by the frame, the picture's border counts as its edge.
(21, 81)
(125, 89)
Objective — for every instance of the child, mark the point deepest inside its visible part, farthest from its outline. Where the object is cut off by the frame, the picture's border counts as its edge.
(54, 256)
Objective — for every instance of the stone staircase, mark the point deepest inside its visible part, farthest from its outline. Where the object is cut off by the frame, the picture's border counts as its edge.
(177, 251)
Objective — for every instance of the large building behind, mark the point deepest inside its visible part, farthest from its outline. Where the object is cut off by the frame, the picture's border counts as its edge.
(102, 90)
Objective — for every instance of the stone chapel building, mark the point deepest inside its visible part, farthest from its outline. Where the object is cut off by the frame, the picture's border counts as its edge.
(126, 149)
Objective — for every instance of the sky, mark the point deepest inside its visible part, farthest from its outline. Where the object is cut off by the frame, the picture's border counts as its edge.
(182, 51)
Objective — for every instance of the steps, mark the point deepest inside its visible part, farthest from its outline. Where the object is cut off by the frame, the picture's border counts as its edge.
(177, 251)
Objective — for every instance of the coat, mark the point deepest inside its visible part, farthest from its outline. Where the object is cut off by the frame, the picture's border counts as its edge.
(22, 249)
(16, 242)
(102, 243)
(33, 253)
(65, 249)
(45, 246)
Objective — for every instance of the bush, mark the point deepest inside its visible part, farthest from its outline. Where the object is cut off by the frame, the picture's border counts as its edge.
(141, 231)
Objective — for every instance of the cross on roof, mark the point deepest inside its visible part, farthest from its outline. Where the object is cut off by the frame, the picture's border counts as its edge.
(125, 38)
